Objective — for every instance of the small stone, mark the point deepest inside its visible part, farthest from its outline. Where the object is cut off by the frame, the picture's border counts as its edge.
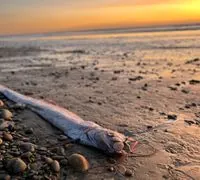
(1, 103)
(78, 162)
(26, 155)
(55, 166)
(1, 141)
(16, 166)
(5, 177)
(62, 138)
(128, 173)
(7, 136)
(27, 147)
(172, 116)
(6, 114)
(64, 162)
(29, 131)
(111, 169)
(58, 157)
(48, 160)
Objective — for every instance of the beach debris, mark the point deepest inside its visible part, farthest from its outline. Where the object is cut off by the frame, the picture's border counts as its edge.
(55, 166)
(172, 116)
(6, 114)
(192, 61)
(194, 82)
(78, 162)
(7, 136)
(137, 78)
(16, 165)
(87, 132)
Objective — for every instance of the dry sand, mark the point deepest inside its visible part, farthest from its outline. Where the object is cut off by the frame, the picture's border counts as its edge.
(156, 102)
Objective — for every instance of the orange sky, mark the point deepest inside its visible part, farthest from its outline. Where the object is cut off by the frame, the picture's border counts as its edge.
(22, 16)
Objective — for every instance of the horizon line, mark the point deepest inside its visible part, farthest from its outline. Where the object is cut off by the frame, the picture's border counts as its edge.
(136, 28)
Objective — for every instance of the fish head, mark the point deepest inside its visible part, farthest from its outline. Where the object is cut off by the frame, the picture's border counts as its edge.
(113, 142)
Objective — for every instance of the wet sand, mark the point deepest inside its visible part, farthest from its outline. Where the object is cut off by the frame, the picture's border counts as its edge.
(155, 101)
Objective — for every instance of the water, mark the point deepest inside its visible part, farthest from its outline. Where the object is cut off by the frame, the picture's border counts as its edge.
(19, 53)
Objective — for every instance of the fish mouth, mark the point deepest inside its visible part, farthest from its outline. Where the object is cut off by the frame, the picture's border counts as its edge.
(122, 144)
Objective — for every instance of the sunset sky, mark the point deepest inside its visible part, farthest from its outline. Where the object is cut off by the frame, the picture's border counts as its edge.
(32, 16)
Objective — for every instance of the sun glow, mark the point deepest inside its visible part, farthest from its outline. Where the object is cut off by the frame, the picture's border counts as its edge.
(98, 14)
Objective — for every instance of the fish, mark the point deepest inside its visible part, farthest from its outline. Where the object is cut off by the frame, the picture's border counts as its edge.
(84, 132)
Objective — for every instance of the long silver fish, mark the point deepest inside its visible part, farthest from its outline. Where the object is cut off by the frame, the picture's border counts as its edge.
(84, 132)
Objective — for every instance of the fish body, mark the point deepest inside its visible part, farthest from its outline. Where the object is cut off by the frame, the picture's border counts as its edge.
(85, 132)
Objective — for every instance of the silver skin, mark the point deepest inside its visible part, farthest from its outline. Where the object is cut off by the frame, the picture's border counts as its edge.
(84, 132)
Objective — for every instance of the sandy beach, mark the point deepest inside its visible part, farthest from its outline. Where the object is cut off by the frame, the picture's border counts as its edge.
(144, 85)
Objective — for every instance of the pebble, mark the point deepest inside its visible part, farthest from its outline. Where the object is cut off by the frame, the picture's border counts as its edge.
(27, 147)
(48, 160)
(111, 169)
(6, 114)
(78, 162)
(172, 116)
(26, 155)
(64, 162)
(62, 138)
(16, 166)
(128, 173)
(55, 166)
(7, 136)
(1, 103)
(5, 177)
(1, 141)
(29, 131)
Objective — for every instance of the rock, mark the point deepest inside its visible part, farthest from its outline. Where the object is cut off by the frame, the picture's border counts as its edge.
(58, 157)
(27, 147)
(55, 166)
(194, 82)
(29, 131)
(137, 78)
(5, 124)
(26, 155)
(6, 114)
(111, 169)
(48, 160)
(172, 116)
(7, 136)
(1, 103)
(62, 138)
(64, 162)
(16, 166)
(78, 162)
(5, 177)
(128, 173)
(1, 141)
